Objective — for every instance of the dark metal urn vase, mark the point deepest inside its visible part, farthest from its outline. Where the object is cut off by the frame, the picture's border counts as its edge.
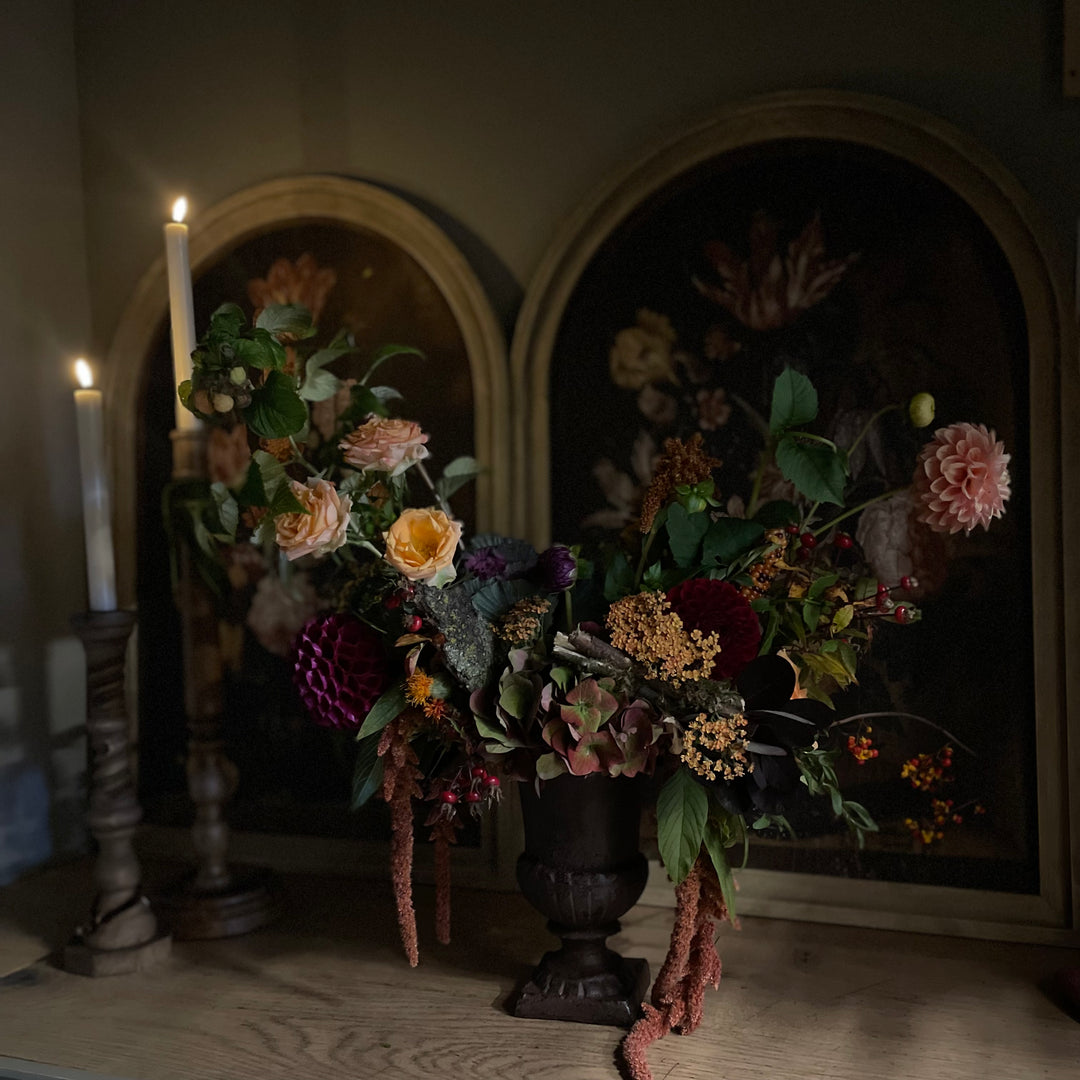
(582, 869)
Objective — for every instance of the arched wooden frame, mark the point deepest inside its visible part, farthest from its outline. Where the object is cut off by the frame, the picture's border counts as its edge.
(986, 186)
(306, 200)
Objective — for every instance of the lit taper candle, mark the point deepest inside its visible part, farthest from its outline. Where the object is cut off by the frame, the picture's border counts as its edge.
(97, 509)
(181, 307)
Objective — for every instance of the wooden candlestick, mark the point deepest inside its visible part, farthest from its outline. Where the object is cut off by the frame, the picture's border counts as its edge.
(216, 899)
(121, 934)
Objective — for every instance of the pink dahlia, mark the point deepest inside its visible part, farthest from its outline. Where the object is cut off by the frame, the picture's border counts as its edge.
(708, 605)
(340, 670)
(961, 478)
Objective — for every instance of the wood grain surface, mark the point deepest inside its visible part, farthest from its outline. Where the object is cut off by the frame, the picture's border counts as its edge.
(325, 994)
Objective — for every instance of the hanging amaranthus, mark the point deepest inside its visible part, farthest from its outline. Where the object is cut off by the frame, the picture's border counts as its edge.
(400, 784)
(442, 835)
(692, 963)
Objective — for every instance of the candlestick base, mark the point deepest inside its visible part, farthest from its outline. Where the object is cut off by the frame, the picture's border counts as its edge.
(83, 959)
(121, 934)
(247, 902)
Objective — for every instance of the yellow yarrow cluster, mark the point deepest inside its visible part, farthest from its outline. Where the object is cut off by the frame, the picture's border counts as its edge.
(522, 622)
(715, 748)
(646, 628)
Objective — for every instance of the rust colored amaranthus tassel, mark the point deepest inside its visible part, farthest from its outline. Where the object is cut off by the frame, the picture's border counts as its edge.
(680, 463)
(692, 963)
(400, 785)
(442, 834)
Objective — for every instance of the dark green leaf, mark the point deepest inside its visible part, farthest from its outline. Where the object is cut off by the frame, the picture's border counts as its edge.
(497, 597)
(253, 493)
(819, 585)
(777, 514)
(794, 401)
(261, 351)
(817, 472)
(228, 513)
(291, 319)
(681, 810)
(728, 538)
(456, 475)
(363, 404)
(384, 394)
(368, 774)
(276, 409)
(227, 320)
(685, 532)
(183, 391)
(714, 838)
(276, 485)
(319, 384)
(772, 624)
(385, 353)
(619, 579)
(389, 707)
(848, 658)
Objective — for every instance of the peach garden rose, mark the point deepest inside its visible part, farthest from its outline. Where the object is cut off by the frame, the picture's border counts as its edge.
(389, 445)
(319, 531)
(421, 545)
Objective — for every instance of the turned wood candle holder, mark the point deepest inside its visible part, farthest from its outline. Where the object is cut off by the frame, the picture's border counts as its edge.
(121, 934)
(216, 899)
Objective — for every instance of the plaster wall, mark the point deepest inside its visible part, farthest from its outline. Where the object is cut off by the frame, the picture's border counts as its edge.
(496, 117)
(45, 320)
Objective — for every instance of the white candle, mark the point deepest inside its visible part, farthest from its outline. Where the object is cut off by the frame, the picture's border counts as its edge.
(97, 512)
(181, 307)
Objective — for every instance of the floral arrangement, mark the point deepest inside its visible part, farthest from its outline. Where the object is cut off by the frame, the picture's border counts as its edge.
(702, 646)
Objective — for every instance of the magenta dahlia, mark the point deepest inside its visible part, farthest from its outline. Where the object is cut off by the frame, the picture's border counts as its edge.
(961, 478)
(718, 606)
(340, 670)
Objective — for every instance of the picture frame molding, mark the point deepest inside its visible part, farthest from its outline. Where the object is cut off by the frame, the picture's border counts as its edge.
(1025, 238)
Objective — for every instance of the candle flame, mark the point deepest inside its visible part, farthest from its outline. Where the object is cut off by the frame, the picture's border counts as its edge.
(84, 374)
(179, 209)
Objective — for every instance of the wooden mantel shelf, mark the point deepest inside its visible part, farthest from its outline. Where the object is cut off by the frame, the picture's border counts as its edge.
(325, 994)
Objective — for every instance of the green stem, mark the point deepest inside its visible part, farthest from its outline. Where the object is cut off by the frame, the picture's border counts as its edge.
(904, 716)
(301, 460)
(855, 509)
(869, 424)
(569, 611)
(645, 553)
(759, 477)
(810, 437)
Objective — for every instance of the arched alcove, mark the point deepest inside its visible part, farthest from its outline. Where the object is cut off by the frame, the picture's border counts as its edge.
(802, 151)
(397, 277)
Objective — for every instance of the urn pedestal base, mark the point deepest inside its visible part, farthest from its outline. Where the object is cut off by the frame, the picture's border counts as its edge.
(584, 982)
(582, 869)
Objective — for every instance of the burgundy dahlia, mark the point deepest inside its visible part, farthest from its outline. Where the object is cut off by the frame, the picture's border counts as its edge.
(340, 670)
(708, 605)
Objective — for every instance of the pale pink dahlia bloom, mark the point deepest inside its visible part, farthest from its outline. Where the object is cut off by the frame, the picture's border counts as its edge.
(961, 478)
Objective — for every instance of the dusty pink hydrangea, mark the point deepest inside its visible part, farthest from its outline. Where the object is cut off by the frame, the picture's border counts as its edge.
(897, 546)
(279, 610)
(961, 478)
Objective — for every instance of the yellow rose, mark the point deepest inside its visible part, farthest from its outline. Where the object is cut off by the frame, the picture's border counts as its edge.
(421, 544)
(319, 531)
(642, 353)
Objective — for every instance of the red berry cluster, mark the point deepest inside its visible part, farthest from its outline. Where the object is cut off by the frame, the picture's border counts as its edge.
(862, 749)
(902, 613)
(471, 785)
